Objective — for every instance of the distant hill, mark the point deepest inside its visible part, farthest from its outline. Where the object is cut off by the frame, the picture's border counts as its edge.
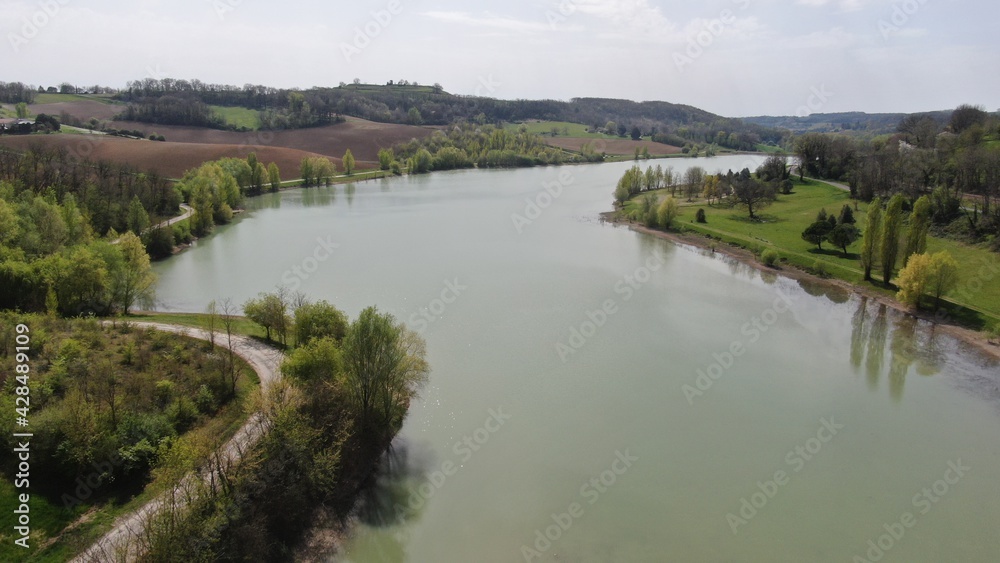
(855, 122)
(182, 102)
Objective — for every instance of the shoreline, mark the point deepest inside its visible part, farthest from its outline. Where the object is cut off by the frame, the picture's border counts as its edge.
(971, 337)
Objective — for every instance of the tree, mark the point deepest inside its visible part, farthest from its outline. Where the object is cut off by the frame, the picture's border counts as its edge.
(133, 280)
(306, 170)
(694, 177)
(750, 193)
(384, 366)
(22, 110)
(817, 232)
(892, 225)
(913, 280)
(871, 241)
(920, 226)
(636, 133)
(647, 210)
(846, 215)
(348, 161)
(774, 169)
(700, 216)
(317, 361)
(414, 117)
(319, 320)
(385, 158)
(211, 320)
(228, 317)
(270, 311)
(137, 220)
(843, 235)
(944, 275)
(274, 177)
(610, 128)
(667, 212)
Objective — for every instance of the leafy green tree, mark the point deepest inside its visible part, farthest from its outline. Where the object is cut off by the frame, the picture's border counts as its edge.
(817, 233)
(647, 210)
(384, 363)
(750, 193)
(892, 226)
(306, 171)
(385, 158)
(274, 177)
(316, 361)
(914, 279)
(22, 110)
(843, 235)
(944, 274)
(636, 133)
(667, 212)
(134, 280)
(319, 320)
(920, 226)
(871, 238)
(270, 311)
(348, 161)
(138, 219)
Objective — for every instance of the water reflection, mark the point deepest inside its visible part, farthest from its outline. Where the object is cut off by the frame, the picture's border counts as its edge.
(909, 346)
(319, 196)
(349, 189)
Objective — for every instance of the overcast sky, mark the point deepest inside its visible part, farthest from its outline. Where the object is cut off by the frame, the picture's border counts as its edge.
(732, 57)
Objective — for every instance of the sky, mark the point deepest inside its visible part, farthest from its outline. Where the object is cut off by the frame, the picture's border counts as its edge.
(731, 57)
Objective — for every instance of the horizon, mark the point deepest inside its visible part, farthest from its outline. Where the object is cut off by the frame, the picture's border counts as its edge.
(734, 58)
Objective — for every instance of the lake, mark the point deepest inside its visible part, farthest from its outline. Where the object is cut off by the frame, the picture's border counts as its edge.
(601, 395)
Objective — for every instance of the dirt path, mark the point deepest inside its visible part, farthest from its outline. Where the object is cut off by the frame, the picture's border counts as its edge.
(119, 544)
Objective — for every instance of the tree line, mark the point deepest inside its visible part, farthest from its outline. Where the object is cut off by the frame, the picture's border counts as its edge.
(948, 162)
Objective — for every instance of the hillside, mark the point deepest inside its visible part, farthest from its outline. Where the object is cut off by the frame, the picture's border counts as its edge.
(855, 122)
(168, 159)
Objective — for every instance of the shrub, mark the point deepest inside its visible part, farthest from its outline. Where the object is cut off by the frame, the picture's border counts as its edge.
(770, 257)
(819, 267)
(700, 216)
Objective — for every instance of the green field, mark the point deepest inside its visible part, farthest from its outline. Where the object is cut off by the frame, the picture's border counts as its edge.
(198, 320)
(565, 128)
(781, 229)
(57, 98)
(239, 117)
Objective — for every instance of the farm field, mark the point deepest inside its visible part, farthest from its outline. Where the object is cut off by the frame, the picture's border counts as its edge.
(168, 158)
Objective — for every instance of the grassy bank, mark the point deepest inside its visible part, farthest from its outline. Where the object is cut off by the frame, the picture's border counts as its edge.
(975, 301)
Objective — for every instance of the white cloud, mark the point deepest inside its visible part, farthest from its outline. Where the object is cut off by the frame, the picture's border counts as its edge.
(488, 20)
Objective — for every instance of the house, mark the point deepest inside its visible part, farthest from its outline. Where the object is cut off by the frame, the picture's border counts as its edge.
(17, 126)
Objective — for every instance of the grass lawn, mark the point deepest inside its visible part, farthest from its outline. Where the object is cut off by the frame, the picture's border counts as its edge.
(781, 225)
(198, 320)
(239, 117)
(545, 128)
(769, 148)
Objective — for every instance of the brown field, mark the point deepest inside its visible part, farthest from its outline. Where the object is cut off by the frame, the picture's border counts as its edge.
(621, 147)
(364, 138)
(168, 159)
(81, 109)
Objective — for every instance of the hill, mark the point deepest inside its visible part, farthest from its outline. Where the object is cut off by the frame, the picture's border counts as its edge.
(856, 122)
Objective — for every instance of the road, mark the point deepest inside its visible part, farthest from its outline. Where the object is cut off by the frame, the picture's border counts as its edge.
(119, 543)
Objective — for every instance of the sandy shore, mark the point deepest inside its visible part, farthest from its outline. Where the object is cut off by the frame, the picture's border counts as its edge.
(967, 335)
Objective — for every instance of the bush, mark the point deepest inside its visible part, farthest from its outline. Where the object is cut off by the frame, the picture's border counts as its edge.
(819, 267)
(700, 216)
(770, 257)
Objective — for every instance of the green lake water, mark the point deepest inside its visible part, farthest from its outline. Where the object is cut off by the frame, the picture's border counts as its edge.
(585, 403)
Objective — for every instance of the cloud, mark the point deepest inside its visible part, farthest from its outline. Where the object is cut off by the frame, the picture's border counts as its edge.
(845, 5)
(635, 16)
